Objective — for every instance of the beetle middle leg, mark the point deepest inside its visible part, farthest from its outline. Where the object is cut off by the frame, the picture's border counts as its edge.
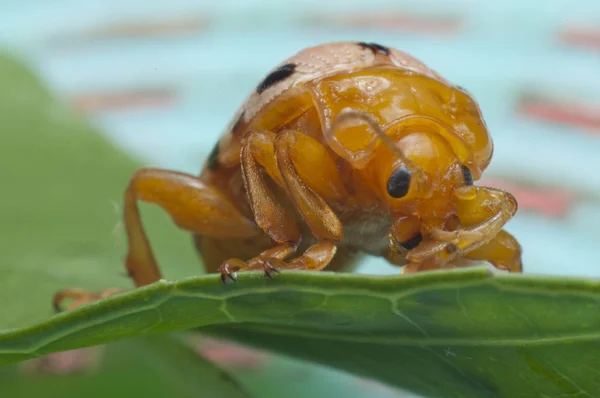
(483, 212)
(308, 174)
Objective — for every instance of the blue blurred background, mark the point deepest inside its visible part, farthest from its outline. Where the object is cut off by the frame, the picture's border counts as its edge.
(161, 78)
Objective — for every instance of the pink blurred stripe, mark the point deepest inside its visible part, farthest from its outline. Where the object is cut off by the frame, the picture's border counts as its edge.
(585, 37)
(582, 115)
(123, 101)
(399, 22)
(140, 29)
(549, 202)
(225, 353)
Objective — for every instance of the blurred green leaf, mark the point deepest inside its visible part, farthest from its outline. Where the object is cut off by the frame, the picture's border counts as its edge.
(277, 375)
(151, 367)
(62, 186)
(463, 333)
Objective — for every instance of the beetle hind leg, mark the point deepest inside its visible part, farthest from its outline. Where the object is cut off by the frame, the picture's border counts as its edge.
(193, 205)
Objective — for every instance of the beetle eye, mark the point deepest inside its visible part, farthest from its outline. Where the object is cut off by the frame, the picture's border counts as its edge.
(399, 182)
(468, 175)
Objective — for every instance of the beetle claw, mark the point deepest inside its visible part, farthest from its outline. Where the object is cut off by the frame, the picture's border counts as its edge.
(269, 266)
(226, 273)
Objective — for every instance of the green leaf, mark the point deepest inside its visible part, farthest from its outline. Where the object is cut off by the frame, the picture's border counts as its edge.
(461, 333)
(279, 375)
(153, 367)
(62, 187)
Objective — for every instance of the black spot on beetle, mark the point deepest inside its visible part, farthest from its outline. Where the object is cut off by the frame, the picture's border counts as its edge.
(212, 157)
(238, 122)
(279, 74)
(412, 242)
(375, 48)
(468, 175)
(399, 182)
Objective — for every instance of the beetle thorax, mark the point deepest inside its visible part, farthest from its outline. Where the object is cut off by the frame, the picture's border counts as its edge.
(367, 231)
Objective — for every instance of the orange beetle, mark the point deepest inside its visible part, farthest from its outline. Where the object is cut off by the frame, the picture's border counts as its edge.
(343, 148)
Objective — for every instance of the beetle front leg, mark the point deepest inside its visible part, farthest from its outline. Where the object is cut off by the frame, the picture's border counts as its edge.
(258, 150)
(285, 158)
(315, 258)
(503, 252)
(483, 212)
(311, 176)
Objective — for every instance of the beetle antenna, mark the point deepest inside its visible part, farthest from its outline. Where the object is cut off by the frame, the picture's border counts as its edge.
(349, 113)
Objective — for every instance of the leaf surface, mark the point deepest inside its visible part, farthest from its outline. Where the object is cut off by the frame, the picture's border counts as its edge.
(152, 367)
(460, 333)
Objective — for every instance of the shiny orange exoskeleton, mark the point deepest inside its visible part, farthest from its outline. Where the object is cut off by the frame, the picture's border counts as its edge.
(343, 148)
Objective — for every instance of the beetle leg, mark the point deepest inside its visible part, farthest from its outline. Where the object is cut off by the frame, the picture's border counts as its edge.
(315, 258)
(483, 212)
(193, 205)
(258, 150)
(271, 217)
(263, 261)
(295, 161)
(503, 251)
(311, 176)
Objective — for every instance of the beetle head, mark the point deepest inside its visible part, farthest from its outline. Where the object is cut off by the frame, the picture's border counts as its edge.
(429, 190)
(413, 169)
